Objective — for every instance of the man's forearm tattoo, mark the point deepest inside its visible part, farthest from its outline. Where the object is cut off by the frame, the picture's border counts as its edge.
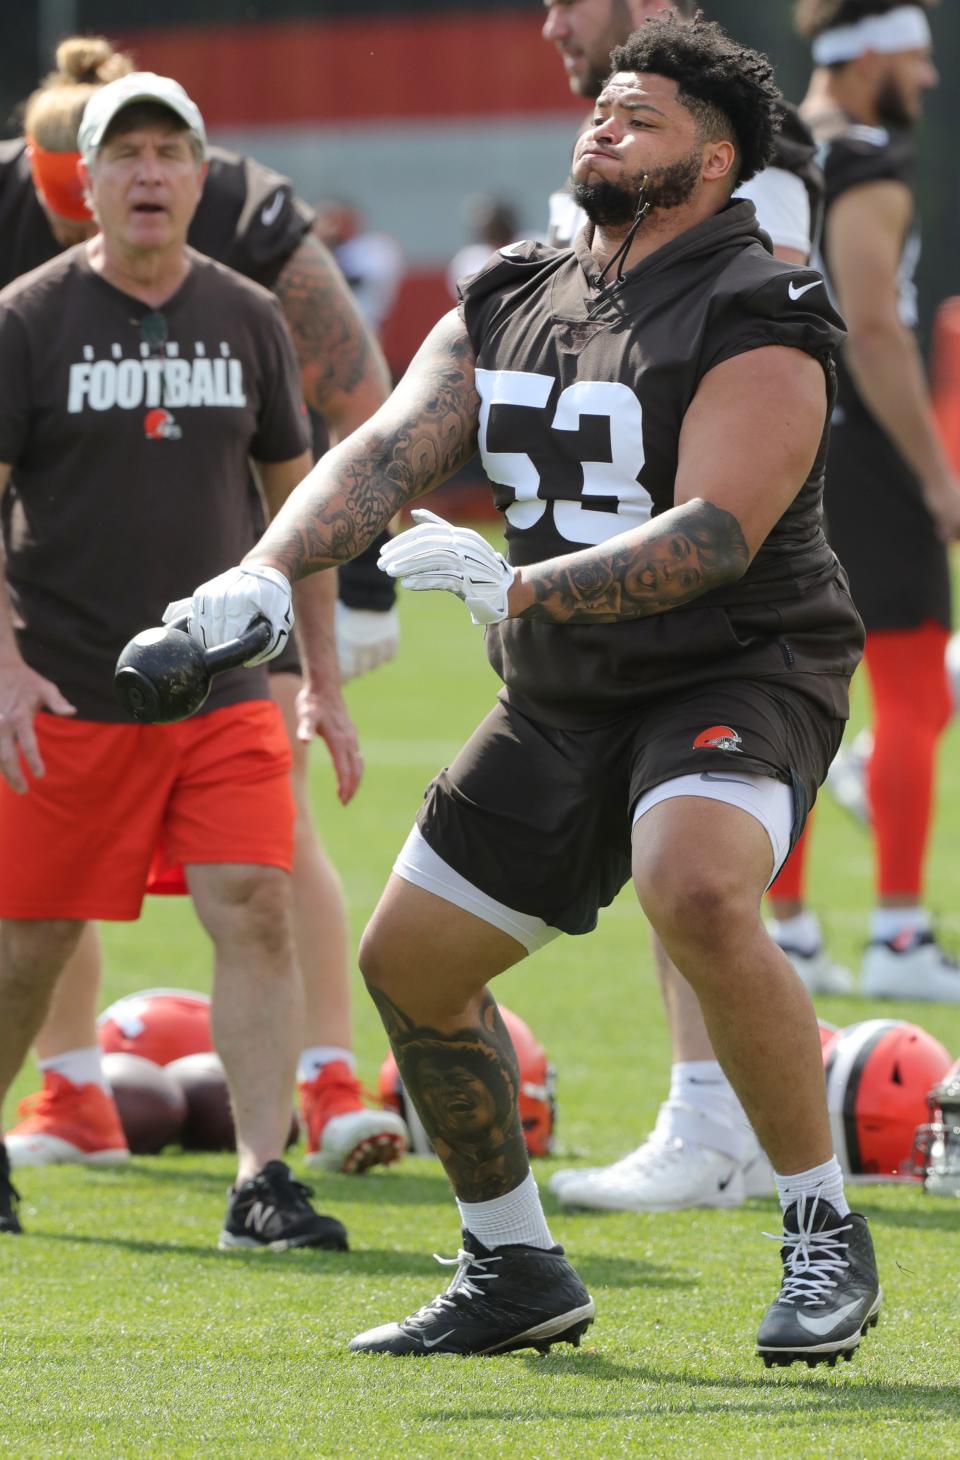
(688, 551)
(351, 495)
(465, 1087)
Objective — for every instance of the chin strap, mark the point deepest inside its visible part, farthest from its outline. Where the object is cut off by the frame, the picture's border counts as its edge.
(643, 208)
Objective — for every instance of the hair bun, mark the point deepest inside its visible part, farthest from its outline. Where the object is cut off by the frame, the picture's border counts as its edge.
(91, 61)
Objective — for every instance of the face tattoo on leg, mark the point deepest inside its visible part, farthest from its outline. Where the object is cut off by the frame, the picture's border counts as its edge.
(465, 1087)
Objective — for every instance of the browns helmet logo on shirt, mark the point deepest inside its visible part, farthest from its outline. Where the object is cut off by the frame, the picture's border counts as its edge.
(717, 737)
(159, 425)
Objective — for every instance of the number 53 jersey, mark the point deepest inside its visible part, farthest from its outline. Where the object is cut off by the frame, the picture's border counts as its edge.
(583, 388)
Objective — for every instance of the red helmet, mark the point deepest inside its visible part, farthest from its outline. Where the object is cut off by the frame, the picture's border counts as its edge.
(161, 1025)
(878, 1075)
(936, 1146)
(538, 1112)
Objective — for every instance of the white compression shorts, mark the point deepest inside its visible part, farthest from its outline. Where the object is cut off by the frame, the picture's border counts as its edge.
(770, 802)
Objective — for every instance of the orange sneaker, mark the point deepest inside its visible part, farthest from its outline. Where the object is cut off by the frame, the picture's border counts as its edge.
(65, 1123)
(343, 1134)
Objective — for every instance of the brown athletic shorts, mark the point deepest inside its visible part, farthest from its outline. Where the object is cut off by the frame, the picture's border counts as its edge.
(539, 818)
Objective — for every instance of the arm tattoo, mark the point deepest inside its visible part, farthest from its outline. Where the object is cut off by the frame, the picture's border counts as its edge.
(465, 1087)
(424, 433)
(331, 340)
(670, 561)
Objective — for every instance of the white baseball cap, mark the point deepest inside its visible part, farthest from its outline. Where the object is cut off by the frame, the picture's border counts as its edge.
(105, 103)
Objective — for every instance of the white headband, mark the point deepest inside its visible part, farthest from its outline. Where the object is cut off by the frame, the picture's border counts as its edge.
(903, 29)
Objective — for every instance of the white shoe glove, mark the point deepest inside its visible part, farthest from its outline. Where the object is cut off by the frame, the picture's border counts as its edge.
(457, 559)
(225, 608)
(366, 638)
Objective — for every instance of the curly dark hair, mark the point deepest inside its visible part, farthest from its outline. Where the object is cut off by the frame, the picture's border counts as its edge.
(729, 90)
(812, 17)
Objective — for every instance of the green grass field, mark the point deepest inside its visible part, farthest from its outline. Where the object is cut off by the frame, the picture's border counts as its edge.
(124, 1332)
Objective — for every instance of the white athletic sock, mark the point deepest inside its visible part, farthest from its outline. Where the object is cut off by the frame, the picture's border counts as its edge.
(703, 1084)
(516, 1217)
(825, 1181)
(312, 1061)
(79, 1066)
(887, 922)
(801, 934)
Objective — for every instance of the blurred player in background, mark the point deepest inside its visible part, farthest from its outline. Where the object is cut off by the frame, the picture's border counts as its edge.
(371, 262)
(893, 499)
(702, 1151)
(491, 223)
(142, 382)
(675, 639)
(248, 218)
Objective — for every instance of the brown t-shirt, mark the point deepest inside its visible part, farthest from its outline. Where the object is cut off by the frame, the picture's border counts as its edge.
(131, 440)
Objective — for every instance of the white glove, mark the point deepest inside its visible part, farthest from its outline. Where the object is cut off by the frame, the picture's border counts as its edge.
(366, 638)
(225, 608)
(437, 555)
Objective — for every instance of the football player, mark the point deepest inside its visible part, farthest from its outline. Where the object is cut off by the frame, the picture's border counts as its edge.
(893, 500)
(702, 1151)
(675, 639)
(249, 218)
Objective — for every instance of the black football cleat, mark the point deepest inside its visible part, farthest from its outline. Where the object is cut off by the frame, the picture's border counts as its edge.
(830, 1294)
(501, 1298)
(271, 1213)
(9, 1196)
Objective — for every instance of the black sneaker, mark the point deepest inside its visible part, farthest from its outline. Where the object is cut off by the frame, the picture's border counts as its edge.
(9, 1196)
(501, 1298)
(830, 1293)
(271, 1212)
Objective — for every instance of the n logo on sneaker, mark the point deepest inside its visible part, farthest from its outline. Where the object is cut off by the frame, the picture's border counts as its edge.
(258, 1216)
(819, 1327)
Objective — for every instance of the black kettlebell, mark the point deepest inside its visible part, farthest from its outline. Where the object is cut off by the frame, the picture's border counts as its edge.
(163, 675)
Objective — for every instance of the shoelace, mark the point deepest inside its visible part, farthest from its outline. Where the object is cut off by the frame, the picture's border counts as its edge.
(334, 1087)
(461, 1285)
(811, 1258)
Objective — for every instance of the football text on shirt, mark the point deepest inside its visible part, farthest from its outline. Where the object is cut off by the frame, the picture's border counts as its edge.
(126, 384)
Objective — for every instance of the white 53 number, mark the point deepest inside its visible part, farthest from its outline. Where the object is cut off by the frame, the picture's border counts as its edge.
(615, 479)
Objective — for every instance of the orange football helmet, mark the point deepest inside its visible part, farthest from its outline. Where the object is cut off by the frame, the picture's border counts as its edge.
(878, 1075)
(538, 1104)
(161, 1025)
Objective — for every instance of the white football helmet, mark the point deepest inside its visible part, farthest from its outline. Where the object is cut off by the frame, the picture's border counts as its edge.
(936, 1146)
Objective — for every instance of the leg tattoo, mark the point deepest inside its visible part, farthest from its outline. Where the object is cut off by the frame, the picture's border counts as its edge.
(465, 1087)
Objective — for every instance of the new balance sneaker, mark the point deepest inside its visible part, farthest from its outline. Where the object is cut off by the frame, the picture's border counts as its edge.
(671, 1171)
(818, 971)
(343, 1134)
(830, 1294)
(501, 1298)
(9, 1197)
(913, 966)
(67, 1123)
(271, 1212)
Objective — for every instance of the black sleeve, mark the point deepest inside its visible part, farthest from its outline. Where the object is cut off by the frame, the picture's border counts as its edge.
(249, 218)
(484, 294)
(790, 306)
(867, 155)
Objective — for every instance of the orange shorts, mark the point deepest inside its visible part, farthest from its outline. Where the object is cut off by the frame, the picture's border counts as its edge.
(117, 798)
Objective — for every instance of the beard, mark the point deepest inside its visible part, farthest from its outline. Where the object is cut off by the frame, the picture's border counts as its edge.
(892, 109)
(611, 204)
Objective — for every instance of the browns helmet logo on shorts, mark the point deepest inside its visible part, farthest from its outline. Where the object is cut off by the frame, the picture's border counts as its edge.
(717, 737)
(159, 425)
